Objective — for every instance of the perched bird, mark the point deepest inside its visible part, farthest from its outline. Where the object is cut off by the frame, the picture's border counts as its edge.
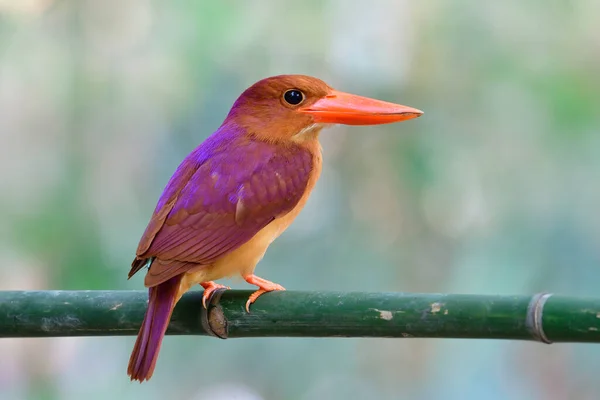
(237, 192)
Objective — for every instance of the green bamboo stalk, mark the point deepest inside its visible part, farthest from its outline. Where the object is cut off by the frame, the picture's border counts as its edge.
(544, 317)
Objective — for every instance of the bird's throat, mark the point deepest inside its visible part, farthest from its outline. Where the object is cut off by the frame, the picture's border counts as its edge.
(310, 133)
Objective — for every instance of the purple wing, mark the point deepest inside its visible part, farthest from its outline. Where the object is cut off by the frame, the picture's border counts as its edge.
(235, 190)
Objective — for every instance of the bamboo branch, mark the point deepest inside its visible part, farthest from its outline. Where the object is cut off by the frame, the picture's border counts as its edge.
(546, 318)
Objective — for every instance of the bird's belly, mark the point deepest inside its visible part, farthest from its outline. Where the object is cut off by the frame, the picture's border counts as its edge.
(242, 260)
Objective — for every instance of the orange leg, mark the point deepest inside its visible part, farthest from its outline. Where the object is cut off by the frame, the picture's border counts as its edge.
(264, 285)
(209, 289)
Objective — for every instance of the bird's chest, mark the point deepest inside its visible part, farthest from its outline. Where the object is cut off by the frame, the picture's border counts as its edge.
(279, 225)
(245, 258)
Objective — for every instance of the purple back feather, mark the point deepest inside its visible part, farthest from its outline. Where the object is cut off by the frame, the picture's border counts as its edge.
(196, 220)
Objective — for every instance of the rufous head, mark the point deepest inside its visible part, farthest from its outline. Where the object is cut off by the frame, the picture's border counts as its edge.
(297, 107)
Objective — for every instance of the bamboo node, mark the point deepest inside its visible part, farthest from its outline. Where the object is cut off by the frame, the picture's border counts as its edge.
(534, 318)
(212, 317)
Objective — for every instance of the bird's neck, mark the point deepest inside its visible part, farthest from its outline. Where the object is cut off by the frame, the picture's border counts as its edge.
(307, 137)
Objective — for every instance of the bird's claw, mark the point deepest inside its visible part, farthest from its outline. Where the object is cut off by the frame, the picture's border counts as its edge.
(264, 285)
(209, 288)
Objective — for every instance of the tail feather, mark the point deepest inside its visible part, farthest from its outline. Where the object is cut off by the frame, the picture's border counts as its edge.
(161, 302)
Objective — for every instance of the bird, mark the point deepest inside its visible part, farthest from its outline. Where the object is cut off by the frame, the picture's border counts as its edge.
(235, 193)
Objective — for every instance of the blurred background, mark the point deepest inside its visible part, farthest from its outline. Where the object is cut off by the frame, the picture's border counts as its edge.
(493, 191)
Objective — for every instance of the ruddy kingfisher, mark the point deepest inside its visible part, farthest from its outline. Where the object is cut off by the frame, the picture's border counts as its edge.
(234, 194)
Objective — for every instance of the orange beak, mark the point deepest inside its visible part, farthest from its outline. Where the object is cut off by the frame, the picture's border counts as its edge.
(349, 109)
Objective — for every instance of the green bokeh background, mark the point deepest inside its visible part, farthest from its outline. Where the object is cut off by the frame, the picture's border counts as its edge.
(493, 191)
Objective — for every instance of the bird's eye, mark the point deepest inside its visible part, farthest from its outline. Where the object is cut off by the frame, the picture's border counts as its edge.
(293, 97)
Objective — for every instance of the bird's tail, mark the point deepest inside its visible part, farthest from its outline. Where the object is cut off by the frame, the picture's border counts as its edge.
(162, 299)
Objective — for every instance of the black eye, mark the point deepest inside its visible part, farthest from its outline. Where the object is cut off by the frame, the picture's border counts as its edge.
(293, 97)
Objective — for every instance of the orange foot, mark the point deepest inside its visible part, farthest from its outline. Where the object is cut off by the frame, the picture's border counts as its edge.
(209, 289)
(264, 285)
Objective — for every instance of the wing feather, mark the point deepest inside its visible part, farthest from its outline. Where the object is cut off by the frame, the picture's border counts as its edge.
(221, 202)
